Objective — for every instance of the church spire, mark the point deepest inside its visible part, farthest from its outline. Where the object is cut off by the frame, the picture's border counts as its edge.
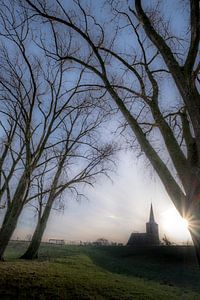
(151, 217)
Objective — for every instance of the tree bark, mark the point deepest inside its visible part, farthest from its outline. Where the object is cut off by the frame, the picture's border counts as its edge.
(182, 75)
(193, 217)
(12, 214)
(32, 251)
(195, 234)
(8, 228)
(196, 242)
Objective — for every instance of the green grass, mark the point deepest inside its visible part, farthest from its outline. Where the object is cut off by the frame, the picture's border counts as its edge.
(74, 272)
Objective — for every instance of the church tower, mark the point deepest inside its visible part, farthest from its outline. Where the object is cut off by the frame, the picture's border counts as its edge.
(148, 238)
(152, 229)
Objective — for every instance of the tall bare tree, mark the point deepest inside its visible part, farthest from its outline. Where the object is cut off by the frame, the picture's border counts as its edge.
(38, 96)
(47, 122)
(80, 160)
(131, 59)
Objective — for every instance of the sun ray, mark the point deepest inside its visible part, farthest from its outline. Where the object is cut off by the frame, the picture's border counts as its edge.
(176, 227)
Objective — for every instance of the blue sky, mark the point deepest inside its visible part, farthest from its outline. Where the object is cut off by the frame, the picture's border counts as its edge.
(116, 208)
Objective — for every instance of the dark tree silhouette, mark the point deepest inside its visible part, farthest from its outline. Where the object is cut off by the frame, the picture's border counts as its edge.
(129, 58)
(79, 162)
(37, 102)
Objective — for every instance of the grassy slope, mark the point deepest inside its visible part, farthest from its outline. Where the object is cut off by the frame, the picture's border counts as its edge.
(74, 272)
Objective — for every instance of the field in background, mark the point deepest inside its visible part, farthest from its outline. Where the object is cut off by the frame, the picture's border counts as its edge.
(85, 272)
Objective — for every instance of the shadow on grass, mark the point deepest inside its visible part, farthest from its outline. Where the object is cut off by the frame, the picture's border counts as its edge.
(173, 265)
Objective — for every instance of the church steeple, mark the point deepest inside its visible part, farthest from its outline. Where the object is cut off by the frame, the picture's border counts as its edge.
(151, 217)
(152, 228)
(150, 237)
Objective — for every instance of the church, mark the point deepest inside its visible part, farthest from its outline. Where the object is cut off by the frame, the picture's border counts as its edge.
(150, 237)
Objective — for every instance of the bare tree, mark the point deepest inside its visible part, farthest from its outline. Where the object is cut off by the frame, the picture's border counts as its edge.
(79, 161)
(133, 77)
(54, 126)
(38, 97)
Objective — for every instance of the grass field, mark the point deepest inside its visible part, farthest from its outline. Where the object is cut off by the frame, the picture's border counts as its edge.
(83, 272)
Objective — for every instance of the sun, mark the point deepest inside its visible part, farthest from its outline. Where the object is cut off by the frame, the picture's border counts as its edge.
(185, 222)
(174, 226)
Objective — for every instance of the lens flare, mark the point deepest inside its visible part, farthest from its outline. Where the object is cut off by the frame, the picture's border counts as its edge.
(185, 223)
(175, 227)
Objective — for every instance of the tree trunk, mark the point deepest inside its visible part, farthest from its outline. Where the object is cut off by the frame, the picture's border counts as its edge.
(196, 241)
(8, 227)
(12, 214)
(6, 216)
(32, 251)
(194, 225)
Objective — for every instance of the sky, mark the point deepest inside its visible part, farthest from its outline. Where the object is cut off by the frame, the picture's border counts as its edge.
(115, 208)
